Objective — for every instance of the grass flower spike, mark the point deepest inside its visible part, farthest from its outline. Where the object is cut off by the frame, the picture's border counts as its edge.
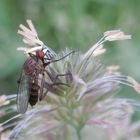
(29, 34)
(85, 107)
(30, 37)
(116, 35)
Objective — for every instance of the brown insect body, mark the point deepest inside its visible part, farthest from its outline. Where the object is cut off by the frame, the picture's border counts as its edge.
(31, 86)
(33, 69)
(34, 92)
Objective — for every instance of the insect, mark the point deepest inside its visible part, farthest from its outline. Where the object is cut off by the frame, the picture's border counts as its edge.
(30, 90)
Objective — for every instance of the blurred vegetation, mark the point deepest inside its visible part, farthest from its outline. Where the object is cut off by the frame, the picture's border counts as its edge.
(74, 24)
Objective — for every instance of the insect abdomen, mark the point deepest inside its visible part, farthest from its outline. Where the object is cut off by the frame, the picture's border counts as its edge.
(34, 91)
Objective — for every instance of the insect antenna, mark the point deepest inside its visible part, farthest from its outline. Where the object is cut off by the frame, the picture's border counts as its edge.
(45, 64)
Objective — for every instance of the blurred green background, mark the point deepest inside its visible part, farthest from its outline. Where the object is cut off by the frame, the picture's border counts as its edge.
(69, 23)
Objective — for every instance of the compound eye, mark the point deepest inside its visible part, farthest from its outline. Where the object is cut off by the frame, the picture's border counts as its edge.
(41, 54)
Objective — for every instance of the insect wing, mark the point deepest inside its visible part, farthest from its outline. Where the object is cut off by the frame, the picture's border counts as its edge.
(23, 93)
(49, 53)
(42, 83)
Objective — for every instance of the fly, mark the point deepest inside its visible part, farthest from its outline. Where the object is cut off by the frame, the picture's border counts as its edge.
(30, 90)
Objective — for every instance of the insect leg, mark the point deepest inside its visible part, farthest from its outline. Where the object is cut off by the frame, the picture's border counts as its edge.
(19, 80)
(59, 75)
(50, 88)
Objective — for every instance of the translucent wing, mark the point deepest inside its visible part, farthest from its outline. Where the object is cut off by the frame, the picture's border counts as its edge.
(23, 93)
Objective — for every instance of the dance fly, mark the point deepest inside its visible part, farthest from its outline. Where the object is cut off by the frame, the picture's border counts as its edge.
(31, 82)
